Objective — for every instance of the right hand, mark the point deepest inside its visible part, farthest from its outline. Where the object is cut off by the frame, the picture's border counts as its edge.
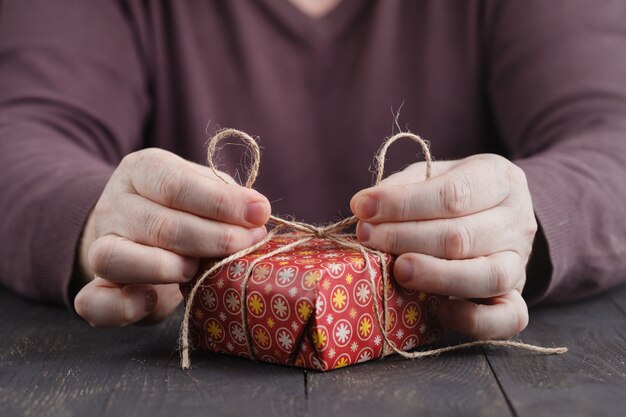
(156, 216)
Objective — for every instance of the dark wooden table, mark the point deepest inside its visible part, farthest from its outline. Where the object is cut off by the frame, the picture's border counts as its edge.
(54, 364)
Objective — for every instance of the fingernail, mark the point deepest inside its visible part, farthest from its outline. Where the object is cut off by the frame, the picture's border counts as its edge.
(366, 207)
(151, 299)
(190, 268)
(258, 233)
(404, 270)
(256, 213)
(363, 231)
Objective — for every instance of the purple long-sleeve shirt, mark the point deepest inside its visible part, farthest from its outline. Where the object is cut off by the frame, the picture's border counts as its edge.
(82, 83)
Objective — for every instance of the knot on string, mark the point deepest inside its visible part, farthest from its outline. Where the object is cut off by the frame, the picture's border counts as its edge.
(304, 232)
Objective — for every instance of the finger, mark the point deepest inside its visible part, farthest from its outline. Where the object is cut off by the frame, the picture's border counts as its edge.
(169, 297)
(120, 260)
(477, 184)
(503, 318)
(417, 172)
(475, 235)
(171, 181)
(151, 224)
(106, 304)
(482, 277)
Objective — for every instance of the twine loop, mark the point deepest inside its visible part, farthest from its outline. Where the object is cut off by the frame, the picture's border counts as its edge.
(304, 232)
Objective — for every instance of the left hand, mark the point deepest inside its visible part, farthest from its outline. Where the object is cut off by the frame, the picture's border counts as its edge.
(465, 233)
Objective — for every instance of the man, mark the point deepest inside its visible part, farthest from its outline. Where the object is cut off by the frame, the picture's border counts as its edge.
(87, 88)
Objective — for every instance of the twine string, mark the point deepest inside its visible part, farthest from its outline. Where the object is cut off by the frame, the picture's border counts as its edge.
(305, 232)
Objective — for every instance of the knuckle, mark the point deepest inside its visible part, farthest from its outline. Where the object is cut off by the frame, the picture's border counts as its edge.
(515, 174)
(457, 242)
(456, 195)
(161, 230)
(100, 256)
(406, 206)
(171, 186)
(226, 242)
(500, 279)
(221, 206)
(391, 240)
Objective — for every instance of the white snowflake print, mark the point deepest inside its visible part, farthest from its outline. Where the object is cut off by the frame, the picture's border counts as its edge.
(319, 305)
(400, 333)
(295, 326)
(237, 268)
(365, 356)
(334, 268)
(230, 346)
(293, 291)
(285, 340)
(342, 333)
(286, 275)
(222, 316)
(308, 266)
(400, 301)
(237, 333)
(303, 347)
(330, 255)
(331, 353)
(220, 283)
(363, 292)
(377, 340)
(232, 302)
(281, 258)
(280, 308)
(209, 299)
(409, 344)
(422, 327)
(354, 346)
(329, 319)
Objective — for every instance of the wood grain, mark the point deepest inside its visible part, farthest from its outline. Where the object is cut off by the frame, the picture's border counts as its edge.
(589, 380)
(54, 364)
(457, 383)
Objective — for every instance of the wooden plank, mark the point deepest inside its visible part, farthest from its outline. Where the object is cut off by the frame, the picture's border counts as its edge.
(589, 380)
(456, 383)
(54, 364)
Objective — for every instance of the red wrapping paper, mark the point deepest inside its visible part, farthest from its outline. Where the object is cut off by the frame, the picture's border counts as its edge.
(311, 306)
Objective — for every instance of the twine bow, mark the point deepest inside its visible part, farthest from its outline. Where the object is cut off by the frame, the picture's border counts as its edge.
(305, 232)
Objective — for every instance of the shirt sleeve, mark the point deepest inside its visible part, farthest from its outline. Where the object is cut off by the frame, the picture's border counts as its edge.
(73, 100)
(556, 74)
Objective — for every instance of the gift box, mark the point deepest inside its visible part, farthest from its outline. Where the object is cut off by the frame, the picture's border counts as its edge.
(314, 306)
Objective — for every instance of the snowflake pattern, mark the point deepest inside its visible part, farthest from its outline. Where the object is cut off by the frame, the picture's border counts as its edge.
(363, 292)
(280, 308)
(342, 333)
(286, 275)
(237, 269)
(319, 283)
(285, 340)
